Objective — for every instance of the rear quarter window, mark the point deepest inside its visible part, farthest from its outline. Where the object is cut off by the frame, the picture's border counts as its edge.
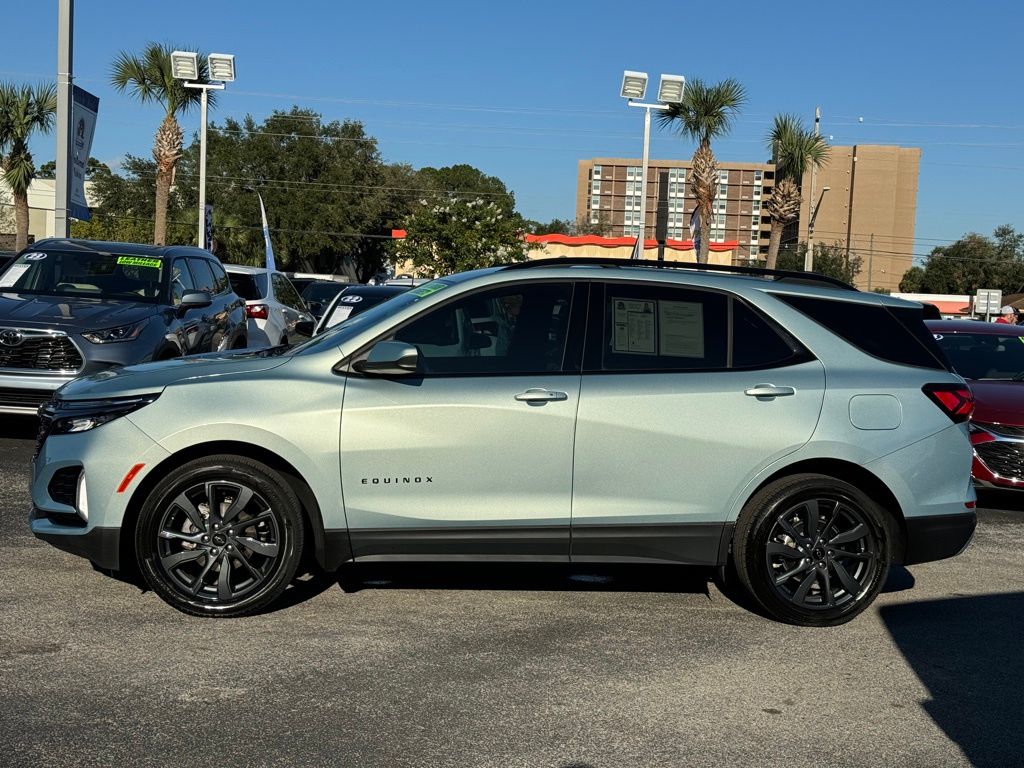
(895, 334)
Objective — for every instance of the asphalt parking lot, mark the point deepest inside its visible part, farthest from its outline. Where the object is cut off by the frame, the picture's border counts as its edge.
(507, 666)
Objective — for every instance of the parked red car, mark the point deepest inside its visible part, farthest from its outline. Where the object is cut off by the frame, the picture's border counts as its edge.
(991, 357)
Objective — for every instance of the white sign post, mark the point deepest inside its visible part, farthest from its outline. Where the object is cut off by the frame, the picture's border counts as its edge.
(989, 301)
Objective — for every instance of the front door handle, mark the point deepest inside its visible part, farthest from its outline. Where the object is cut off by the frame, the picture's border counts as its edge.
(541, 396)
(768, 391)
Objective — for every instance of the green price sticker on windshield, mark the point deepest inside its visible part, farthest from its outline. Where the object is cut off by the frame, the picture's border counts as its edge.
(425, 290)
(139, 261)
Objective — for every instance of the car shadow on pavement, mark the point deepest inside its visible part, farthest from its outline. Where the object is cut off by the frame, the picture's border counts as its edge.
(18, 427)
(967, 652)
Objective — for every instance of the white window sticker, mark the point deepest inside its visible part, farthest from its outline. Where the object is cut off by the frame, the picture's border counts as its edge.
(351, 299)
(634, 327)
(681, 328)
(340, 313)
(35, 256)
(13, 274)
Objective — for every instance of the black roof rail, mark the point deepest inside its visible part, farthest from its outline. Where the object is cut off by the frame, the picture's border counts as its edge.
(607, 261)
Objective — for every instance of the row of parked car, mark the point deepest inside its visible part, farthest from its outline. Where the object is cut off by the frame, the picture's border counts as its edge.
(70, 308)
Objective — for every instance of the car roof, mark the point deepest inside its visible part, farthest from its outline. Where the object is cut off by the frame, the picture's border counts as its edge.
(126, 249)
(973, 326)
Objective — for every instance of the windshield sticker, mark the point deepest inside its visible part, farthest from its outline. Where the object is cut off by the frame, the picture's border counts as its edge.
(13, 274)
(139, 261)
(426, 290)
(339, 314)
(34, 256)
(938, 336)
(351, 299)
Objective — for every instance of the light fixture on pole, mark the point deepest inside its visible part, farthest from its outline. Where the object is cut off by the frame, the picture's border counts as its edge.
(221, 67)
(670, 91)
(809, 256)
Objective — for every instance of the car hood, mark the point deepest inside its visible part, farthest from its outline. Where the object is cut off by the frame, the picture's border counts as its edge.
(998, 402)
(154, 377)
(70, 313)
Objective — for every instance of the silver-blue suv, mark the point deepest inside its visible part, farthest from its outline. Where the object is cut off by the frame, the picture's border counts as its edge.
(795, 431)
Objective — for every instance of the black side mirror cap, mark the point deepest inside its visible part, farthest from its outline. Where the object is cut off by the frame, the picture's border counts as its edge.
(194, 300)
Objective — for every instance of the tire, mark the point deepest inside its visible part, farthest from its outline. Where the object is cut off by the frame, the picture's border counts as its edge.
(229, 564)
(812, 550)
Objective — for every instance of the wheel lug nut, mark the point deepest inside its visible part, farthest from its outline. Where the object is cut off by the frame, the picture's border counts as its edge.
(231, 531)
(230, 548)
(216, 551)
(206, 538)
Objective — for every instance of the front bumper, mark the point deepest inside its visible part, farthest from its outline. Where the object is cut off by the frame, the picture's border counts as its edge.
(101, 545)
(936, 537)
(24, 393)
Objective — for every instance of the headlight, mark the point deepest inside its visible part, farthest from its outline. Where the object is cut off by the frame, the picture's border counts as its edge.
(82, 415)
(121, 333)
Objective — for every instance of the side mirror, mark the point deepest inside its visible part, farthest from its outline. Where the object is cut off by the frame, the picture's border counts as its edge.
(390, 358)
(304, 327)
(194, 300)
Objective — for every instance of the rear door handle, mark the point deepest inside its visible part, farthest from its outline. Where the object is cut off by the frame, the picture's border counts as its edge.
(541, 396)
(768, 391)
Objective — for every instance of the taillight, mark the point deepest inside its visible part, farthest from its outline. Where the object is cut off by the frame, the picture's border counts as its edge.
(955, 400)
(257, 311)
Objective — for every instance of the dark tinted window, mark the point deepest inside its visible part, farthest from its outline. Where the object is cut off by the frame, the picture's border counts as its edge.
(285, 293)
(321, 291)
(507, 331)
(660, 328)
(984, 355)
(181, 281)
(203, 276)
(249, 287)
(890, 333)
(91, 274)
(758, 344)
(220, 277)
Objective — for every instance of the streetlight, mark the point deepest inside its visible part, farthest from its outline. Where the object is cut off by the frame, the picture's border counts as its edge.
(809, 256)
(221, 67)
(670, 91)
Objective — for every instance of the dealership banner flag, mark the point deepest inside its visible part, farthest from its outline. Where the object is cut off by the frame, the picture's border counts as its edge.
(266, 237)
(84, 107)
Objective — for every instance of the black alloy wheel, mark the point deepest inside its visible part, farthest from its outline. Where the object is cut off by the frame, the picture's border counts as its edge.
(812, 550)
(220, 536)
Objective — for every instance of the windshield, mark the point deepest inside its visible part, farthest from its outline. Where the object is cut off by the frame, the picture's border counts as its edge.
(984, 355)
(322, 291)
(249, 287)
(334, 336)
(86, 274)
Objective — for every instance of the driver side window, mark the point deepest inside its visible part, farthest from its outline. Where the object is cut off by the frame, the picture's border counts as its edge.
(181, 281)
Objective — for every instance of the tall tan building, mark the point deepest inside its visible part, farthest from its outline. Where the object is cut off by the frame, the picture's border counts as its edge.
(871, 201)
(869, 208)
(608, 190)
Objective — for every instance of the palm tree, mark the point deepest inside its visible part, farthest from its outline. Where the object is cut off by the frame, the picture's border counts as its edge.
(148, 78)
(705, 113)
(23, 111)
(795, 150)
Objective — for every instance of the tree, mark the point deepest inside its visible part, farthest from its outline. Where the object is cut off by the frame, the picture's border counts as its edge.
(452, 234)
(148, 78)
(468, 182)
(48, 170)
(913, 280)
(24, 110)
(795, 149)
(972, 262)
(582, 226)
(705, 113)
(829, 259)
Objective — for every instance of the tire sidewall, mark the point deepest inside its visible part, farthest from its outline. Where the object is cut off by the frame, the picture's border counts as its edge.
(765, 508)
(261, 479)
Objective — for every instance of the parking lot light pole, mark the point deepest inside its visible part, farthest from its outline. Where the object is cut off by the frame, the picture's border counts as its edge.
(670, 91)
(185, 66)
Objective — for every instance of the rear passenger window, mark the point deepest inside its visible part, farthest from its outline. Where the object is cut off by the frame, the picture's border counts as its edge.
(220, 277)
(203, 276)
(661, 328)
(890, 333)
(757, 344)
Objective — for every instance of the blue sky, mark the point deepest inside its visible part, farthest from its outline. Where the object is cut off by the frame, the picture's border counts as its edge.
(524, 90)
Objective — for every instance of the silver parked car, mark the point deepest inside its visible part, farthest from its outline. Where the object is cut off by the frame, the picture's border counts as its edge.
(798, 432)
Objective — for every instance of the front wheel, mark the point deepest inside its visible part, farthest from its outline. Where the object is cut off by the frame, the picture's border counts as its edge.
(220, 536)
(813, 550)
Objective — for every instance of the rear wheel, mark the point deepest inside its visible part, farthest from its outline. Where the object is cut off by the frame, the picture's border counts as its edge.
(220, 536)
(812, 550)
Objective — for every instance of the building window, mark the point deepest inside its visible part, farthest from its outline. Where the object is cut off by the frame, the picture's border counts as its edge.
(596, 187)
(597, 171)
(757, 175)
(757, 193)
(723, 189)
(595, 202)
(757, 206)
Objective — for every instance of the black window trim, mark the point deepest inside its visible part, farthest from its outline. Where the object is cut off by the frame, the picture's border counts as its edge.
(595, 332)
(578, 304)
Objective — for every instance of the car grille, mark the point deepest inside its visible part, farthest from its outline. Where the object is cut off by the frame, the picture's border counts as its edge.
(1004, 430)
(23, 398)
(1005, 459)
(42, 352)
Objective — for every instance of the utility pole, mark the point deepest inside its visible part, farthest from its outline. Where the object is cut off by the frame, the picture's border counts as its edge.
(62, 185)
(871, 257)
(811, 208)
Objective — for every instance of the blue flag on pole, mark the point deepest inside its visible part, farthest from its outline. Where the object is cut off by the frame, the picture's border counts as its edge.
(266, 237)
(695, 233)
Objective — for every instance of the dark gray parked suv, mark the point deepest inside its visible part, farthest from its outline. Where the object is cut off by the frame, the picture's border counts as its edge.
(70, 308)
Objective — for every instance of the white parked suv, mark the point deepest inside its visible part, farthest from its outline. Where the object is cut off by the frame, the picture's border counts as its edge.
(277, 315)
